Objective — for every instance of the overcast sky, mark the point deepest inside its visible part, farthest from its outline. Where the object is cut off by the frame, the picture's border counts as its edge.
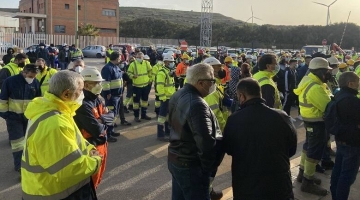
(279, 12)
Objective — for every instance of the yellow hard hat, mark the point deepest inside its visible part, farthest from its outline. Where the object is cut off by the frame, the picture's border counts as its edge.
(350, 62)
(228, 59)
(185, 56)
(342, 65)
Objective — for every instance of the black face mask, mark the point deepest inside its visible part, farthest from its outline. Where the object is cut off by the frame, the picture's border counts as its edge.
(221, 74)
(328, 77)
(21, 64)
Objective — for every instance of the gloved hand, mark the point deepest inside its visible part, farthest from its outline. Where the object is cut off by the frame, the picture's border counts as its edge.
(227, 101)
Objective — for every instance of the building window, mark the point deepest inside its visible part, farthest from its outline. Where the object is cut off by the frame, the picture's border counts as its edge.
(67, 6)
(107, 30)
(59, 29)
(29, 10)
(79, 7)
(109, 12)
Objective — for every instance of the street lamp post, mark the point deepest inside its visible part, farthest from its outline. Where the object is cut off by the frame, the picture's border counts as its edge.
(77, 23)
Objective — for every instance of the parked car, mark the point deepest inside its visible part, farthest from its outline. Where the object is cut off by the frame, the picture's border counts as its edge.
(94, 51)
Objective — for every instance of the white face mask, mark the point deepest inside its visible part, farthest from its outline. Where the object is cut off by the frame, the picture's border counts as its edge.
(277, 69)
(171, 65)
(42, 47)
(139, 60)
(212, 89)
(78, 69)
(29, 80)
(335, 71)
(121, 66)
(97, 89)
(31, 50)
(66, 49)
(80, 99)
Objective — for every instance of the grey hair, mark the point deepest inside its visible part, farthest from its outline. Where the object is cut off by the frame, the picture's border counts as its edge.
(347, 77)
(197, 72)
(140, 54)
(72, 64)
(64, 80)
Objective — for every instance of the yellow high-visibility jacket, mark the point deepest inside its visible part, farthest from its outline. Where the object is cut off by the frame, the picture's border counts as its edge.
(56, 160)
(44, 78)
(313, 98)
(143, 71)
(264, 78)
(165, 87)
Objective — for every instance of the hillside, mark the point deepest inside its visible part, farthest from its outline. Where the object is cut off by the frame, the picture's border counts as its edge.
(175, 16)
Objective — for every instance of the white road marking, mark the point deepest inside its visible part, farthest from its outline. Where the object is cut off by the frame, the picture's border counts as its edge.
(17, 186)
(161, 189)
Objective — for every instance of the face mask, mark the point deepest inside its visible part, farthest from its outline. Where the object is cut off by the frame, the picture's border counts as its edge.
(276, 70)
(111, 48)
(121, 66)
(78, 69)
(80, 99)
(187, 62)
(21, 64)
(42, 47)
(287, 59)
(31, 50)
(139, 60)
(212, 89)
(66, 49)
(29, 80)
(296, 66)
(171, 65)
(221, 74)
(335, 71)
(97, 89)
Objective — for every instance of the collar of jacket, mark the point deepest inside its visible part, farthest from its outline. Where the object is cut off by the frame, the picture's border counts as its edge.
(89, 95)
(315, 78)
(192, 88)
(65, 107)
(267, 73)
(348, 90)
(253, 101)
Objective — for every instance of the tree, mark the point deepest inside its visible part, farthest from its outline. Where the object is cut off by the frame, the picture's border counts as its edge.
(88, 30)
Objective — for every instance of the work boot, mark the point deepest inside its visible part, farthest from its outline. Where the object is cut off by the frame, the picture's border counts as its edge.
(215, 195)
(319, 169)
(310, 187)
(327, 165)
(126, 110)
(125, 123)
(137, 119)
(300, 178)
(113, 134)
(145, 117)
(111, 139)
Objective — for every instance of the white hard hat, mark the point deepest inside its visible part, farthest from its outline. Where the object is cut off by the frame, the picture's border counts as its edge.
(248, 56)
(146, 57)
(64, 44)
(233, 55)
(168, 57)
(189, 51)
(319, 63)
(212, 61)
(333, 61)
(91, 74)
(178, 52)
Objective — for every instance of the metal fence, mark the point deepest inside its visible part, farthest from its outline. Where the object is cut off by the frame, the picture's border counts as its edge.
(25, 40)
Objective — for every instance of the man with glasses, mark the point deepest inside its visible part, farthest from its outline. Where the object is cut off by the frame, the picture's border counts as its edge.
(268, 69)
(193, 135)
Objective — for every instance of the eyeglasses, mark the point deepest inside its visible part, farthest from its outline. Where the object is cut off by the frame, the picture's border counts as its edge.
(213, 81)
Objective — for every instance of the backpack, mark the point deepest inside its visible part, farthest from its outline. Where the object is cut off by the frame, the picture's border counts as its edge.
(333, 124)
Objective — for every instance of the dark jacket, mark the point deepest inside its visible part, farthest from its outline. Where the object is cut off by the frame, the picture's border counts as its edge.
(42, 53)
(16, 89)
(194, 130)
(6, 58)
(349, 115)
(260, 154)
(87, 117)
(62, 56)
(290, 79)
(31, 56)
(280, 79)
(301, 71)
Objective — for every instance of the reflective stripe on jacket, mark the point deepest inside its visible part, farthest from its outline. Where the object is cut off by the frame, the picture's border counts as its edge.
(265, 78)
(143, 71)
(13, 68)
(313, 98)
(113, 83)
(165, 87)
(56, 160)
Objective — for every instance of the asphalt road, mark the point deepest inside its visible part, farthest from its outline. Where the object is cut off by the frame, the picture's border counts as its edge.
(136, 166)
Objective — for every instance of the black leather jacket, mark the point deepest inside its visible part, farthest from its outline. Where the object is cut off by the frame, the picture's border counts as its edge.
(194, 130)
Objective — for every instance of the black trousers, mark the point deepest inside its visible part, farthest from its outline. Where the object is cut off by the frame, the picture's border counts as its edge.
(289, 100)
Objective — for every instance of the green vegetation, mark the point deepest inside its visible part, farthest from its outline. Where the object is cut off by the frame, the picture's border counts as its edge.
(160, 23)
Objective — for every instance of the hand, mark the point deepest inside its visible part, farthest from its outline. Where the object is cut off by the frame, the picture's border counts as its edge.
(106, 110)
(108, 96)
(95, 152)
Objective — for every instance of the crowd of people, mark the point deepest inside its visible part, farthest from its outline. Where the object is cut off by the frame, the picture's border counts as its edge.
(205, 107)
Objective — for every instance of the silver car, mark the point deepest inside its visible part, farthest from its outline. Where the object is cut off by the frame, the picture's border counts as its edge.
(94, 51)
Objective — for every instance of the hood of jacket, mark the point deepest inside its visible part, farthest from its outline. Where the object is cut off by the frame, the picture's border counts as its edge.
(306, 81)
(50, 102)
